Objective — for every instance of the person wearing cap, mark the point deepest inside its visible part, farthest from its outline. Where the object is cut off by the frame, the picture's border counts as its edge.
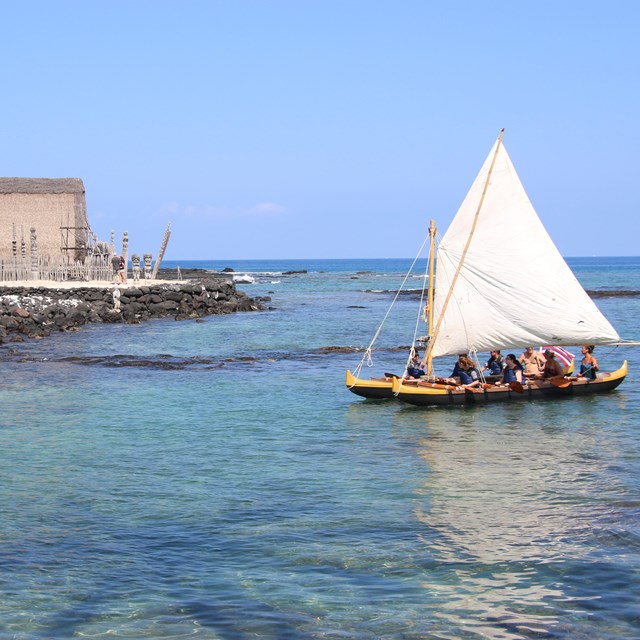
(414, 370)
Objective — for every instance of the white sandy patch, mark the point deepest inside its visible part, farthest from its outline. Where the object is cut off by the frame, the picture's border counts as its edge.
(79, 284)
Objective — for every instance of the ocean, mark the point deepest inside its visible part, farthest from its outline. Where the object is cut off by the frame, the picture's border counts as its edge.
(216, 480)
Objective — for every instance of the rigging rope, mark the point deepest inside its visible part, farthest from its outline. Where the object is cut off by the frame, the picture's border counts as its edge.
(367, 356)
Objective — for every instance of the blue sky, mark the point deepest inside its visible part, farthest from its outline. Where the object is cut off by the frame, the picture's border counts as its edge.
(324, 128)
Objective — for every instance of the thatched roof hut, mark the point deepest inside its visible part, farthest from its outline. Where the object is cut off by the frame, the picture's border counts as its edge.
(56, 207)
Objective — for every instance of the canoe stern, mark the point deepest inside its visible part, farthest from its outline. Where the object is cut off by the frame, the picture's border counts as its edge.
(375, 389)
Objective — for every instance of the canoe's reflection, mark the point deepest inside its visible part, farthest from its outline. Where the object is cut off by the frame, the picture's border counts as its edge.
(507, 507)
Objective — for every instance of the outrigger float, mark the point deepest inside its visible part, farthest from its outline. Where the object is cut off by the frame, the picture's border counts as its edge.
(479, 299)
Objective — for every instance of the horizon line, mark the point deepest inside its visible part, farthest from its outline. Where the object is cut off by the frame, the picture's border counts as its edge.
(369, 258)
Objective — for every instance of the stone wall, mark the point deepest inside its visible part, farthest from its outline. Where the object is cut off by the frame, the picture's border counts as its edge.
(37, 311)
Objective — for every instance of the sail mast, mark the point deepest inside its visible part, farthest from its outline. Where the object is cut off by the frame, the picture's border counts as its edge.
(428, 355)
(432, 255)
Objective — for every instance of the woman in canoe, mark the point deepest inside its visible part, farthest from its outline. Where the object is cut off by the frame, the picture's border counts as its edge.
(589, 365)
(513, 371)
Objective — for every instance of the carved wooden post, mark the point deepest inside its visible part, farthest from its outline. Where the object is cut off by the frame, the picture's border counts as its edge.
(35, 275)
(135, 267)
(147, 265)
(116, 298)
(125, 253)
(23, 255)
(163, 248)
(14, 251)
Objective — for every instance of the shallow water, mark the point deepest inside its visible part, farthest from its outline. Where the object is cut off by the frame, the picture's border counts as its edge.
(244, 492)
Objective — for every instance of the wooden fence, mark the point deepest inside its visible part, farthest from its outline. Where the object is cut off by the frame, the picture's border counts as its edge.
(56, 268)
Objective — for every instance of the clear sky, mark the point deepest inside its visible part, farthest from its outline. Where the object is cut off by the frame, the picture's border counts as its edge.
(324, 128)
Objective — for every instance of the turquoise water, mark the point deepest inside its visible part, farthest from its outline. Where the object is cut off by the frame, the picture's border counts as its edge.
(216, 480)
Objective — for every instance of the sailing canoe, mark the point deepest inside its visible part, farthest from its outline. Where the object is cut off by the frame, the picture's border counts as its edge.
(483, 300)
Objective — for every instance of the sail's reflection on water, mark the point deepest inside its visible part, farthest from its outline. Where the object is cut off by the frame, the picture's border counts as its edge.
(508, 503)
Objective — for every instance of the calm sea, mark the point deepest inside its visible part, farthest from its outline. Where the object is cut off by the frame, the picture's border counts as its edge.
(215, 479)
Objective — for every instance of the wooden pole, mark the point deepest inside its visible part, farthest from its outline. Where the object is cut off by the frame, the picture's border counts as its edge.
(35, 275)
(165, 242)
(432, 244)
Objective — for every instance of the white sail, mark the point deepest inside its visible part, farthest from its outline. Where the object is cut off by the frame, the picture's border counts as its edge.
(514, 288)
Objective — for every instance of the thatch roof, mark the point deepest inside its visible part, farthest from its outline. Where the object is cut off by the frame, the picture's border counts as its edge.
(41, 185)
(55, 207)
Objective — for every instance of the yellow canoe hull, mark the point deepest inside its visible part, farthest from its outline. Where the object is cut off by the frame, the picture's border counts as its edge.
(426, 394)
(374, 388)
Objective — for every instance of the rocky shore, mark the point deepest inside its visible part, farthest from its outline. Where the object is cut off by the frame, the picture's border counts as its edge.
(35, 311)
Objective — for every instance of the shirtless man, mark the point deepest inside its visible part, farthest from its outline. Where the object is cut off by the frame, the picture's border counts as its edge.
(533, 362)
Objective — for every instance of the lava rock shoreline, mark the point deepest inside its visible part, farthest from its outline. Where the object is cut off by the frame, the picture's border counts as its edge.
(37, 311)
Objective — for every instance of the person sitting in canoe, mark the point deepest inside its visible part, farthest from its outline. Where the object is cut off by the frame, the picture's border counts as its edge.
(494, 366)
(533, 363)
(454, 378)
(469, 376)
(414, 371)
(464, 374)
(552, 368)
(513, 371)
(589, 365)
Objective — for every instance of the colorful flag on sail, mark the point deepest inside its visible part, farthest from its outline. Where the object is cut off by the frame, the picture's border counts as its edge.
(561, 354)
